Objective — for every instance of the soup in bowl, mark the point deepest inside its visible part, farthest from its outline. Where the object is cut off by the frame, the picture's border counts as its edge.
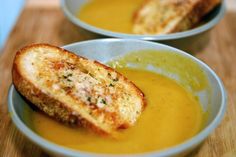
(185, 101)
(114, 19)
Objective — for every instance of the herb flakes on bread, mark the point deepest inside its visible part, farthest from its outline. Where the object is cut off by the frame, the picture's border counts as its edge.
(76, 90)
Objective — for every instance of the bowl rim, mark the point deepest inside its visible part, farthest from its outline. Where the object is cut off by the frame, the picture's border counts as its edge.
(172, 36)
(189, 143)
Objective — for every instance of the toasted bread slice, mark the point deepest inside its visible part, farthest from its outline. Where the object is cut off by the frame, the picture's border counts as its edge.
(76, 90)
(169, 16)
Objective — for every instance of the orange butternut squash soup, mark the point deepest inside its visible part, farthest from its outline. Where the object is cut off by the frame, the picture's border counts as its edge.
(113, 15)
(171, 116)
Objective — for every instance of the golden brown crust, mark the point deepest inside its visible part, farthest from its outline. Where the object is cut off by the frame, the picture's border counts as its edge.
(47, 103)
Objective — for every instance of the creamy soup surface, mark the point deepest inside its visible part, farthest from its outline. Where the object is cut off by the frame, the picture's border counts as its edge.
(113, 15)
(171, 116)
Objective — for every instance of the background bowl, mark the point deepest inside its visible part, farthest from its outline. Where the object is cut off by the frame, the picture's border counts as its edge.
(191, 41)
(103, 50)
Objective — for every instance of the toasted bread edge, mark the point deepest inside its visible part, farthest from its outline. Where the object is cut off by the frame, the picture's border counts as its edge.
(52, 106)
(200, 9)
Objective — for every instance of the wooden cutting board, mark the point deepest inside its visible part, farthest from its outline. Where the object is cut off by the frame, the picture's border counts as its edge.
(48, 24)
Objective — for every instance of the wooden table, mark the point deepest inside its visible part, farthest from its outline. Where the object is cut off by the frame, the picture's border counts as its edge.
(48, 24)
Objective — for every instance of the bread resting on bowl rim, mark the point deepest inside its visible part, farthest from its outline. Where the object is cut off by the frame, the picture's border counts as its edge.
(170, 16)
(76, 90)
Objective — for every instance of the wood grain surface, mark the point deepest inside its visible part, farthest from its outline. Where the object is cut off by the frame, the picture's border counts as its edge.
(49, 25)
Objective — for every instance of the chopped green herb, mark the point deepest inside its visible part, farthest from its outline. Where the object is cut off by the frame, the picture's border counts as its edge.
(111, 85)
(103, 101)
(66, 76)
(115, 80)
(89, 99)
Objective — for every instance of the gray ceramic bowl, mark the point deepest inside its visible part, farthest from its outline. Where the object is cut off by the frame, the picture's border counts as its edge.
(191, 41)
(212, 97)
